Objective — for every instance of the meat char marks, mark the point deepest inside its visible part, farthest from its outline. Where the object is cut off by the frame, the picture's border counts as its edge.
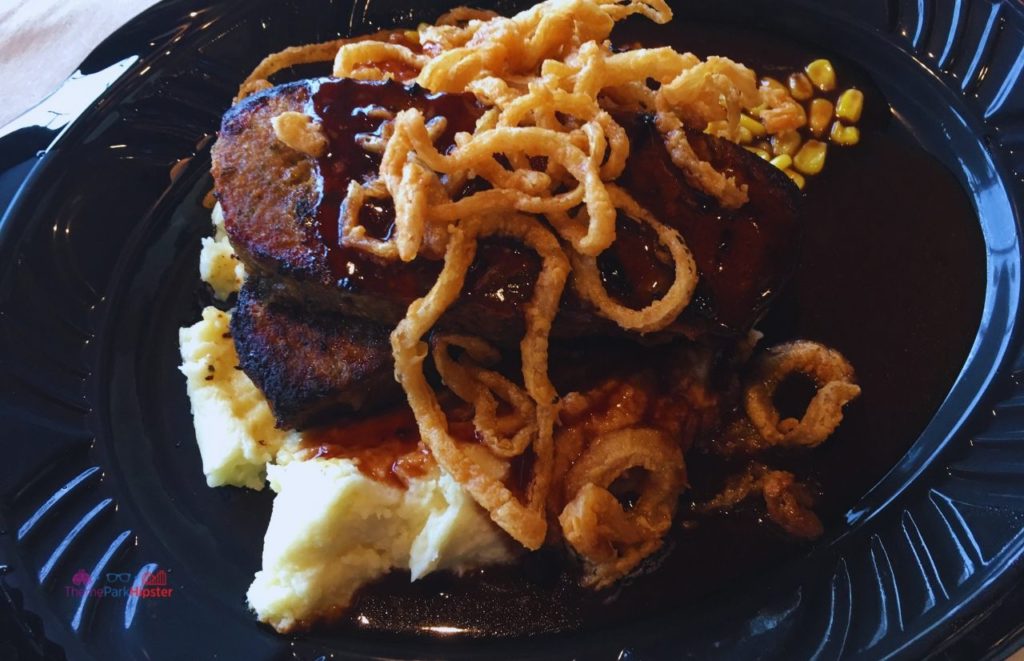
(281, 213)
(312, 366)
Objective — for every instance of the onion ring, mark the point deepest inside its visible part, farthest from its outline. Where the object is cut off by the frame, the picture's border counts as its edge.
(480, 387)
(611, 540)
(660, 313)
(829, 370)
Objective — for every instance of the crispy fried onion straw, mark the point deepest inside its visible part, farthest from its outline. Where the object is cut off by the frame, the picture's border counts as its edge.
(359, 59)
(352, 231)
(830, 372)
(658, 314)
(787, 501)
(611, 539)
(258, 80)
(365, 57)
(411, 165)
(566, 40)
(525, 522)
(506, 436)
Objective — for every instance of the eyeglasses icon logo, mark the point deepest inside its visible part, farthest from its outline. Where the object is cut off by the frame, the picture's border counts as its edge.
(113, 577)
(81, 578)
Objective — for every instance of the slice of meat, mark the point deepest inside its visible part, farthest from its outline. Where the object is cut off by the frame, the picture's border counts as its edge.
(281, 212)
(744, 256)
(312, 366)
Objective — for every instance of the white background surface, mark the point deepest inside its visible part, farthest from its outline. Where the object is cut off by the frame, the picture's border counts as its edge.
(42, 42)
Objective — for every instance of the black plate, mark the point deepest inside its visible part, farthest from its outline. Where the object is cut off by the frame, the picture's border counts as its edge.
(97, 272)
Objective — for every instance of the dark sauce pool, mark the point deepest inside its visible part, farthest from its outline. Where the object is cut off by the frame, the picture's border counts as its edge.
(891, 273)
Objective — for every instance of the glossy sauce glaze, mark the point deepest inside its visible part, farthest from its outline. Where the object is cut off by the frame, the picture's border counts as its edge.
(386, 447)
(891, 273)
(349, 112)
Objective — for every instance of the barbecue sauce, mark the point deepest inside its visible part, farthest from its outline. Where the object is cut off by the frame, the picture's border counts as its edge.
(385, 447)
(351, 111)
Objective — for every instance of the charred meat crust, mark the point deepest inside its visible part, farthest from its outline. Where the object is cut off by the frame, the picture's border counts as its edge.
(312, 366)
(267, 190)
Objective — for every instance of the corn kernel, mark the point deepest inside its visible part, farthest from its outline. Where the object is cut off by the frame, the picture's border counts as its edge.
(844, 135)
(782, 162)
(760, 152)
(755, 127)
(745, 137)
(797, 178)
(772, 84)
(822, 75)
(800, 86)
(849, 105)
(412, 36)
(811, 157)
(786, 142)
(820, 116)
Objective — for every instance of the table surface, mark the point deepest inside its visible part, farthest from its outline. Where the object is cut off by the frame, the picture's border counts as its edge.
(42, 43)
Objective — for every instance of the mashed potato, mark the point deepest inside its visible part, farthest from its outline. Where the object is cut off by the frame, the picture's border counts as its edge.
(218, 264)
(332, 528)
(235, 429)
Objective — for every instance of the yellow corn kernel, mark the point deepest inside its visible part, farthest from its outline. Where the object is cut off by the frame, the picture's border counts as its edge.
(797, 178)
(782, 162)
(822, 75)
(800, 86)
(820, 116)
(755, 127)
(412, 36)
(745, 137)
(844, 135)
(811, 157)
(849, 105)
(772, 84)
(760, 152)
(786, 142)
